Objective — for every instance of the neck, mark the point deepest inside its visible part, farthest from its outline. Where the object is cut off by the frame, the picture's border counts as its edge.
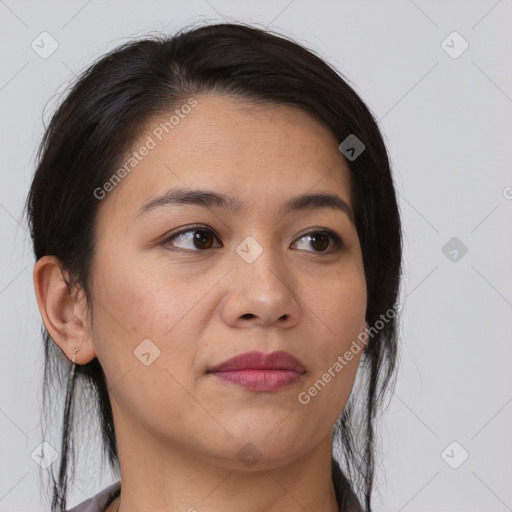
(171, 480)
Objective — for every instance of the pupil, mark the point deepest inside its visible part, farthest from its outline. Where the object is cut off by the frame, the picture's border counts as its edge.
(199, 236)
(315, 238)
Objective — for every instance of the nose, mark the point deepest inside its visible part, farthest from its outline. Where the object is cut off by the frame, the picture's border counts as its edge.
(260, 293)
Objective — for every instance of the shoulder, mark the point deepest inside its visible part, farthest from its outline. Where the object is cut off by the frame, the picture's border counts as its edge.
(100, 501)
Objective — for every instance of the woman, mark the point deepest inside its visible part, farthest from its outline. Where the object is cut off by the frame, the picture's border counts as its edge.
(218, 249)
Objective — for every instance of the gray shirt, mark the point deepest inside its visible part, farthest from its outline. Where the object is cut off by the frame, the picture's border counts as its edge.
(100, 501)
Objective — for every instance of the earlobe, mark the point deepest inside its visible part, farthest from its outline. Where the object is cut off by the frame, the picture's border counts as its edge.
(63, 313)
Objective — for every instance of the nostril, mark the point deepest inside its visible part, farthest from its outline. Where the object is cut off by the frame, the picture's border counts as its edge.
(248, 315)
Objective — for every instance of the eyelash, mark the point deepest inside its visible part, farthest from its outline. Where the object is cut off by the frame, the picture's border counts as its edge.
(199, 227)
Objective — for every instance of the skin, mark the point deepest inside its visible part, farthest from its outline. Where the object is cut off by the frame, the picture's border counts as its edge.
(178, 427)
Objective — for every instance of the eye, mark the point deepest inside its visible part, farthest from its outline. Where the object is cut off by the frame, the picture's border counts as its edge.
(200, 238)
(195, 239)
(320, 240)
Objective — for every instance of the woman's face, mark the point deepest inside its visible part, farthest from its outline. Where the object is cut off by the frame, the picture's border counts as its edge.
(169, 307)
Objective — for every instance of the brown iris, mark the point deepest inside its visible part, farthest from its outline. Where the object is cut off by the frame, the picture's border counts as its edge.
(201, 237)
(319, 237)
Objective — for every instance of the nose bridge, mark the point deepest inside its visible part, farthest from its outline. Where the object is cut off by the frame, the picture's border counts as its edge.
(262, 288)
(260, 264)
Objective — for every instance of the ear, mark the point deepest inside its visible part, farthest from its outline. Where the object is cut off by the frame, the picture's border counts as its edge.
(64, 316)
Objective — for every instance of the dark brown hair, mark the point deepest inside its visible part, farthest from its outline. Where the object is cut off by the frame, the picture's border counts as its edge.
(95, 126)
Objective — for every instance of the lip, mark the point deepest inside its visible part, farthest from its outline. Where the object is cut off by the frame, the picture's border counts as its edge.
(259, 371)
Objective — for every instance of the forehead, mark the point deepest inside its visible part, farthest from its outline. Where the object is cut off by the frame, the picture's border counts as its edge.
(261, 154)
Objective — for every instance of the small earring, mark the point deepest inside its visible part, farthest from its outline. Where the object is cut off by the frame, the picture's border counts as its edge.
(74, 352)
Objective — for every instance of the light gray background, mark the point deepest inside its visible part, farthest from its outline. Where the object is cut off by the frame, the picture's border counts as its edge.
(447, 122)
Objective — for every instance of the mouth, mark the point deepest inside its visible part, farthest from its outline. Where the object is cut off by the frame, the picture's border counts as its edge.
(260, 372)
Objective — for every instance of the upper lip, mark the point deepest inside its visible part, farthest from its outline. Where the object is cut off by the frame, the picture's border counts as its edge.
(254, 360)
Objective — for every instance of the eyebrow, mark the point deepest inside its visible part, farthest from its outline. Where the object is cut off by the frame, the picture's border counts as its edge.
(212, 199)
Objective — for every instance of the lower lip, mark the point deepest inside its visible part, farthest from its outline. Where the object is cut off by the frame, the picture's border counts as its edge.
(261, 380)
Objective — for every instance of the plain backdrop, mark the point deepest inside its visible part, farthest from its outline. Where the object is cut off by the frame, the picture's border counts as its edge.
(437, 76)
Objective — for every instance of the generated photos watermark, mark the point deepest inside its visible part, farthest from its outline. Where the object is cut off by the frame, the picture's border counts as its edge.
(342, 361)
(157, 135)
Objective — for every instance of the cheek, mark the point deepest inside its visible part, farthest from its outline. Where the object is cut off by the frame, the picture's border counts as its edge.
(139, 310)
(143, 341)
(339, 314)
(328, 388)
(337, 306)
(140, 298)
